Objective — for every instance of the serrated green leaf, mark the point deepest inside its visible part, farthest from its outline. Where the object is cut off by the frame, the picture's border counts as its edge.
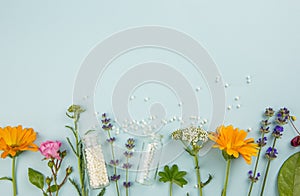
(6, 178)
(36, 178)
(288, 179)
(173, 175)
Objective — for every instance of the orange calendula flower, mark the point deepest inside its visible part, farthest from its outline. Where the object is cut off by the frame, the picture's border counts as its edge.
(14, 140)
(232, 141)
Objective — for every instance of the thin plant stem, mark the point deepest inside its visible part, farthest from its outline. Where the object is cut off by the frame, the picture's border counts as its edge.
(256, 164)
(294, 126)
(115, 168)
(226, 178)
(198, 175)
(78, 151)
(171, 185)
(127, 192)
(13, 173)
(267, 171)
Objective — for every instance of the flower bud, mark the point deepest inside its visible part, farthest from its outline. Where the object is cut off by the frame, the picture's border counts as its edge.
(64, 154)
(50, 164)
(293, 118)
(48, 180)
(295, 141)
(69, 170)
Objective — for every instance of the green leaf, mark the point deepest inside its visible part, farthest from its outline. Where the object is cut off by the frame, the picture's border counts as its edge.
(53, 188)
(173, 175)
(102, 192)
(6, 178)
(72, 147)
(75, 185)
(289, 176)
(89, 131)
(36, 178)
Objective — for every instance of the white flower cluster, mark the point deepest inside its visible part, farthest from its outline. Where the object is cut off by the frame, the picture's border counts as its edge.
(191, 135)
(96, 167)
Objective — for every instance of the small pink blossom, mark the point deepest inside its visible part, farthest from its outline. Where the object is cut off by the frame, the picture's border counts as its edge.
(50, 149)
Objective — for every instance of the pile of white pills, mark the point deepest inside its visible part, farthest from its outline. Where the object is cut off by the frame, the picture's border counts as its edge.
(96, 167)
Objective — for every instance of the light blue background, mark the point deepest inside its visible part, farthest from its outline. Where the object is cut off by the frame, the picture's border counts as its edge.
(43, 43)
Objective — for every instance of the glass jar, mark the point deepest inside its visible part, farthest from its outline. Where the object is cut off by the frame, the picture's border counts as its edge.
(149, 160)
(95, 162)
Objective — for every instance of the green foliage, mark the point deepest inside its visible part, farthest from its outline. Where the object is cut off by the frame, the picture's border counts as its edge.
(173, 175)
(36, 178)
(288, 179)
(6, 178)
(102, 192)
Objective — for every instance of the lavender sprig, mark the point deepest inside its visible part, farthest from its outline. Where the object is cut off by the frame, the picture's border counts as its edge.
(128, 154)
(282, 117)
(107, 126)
(262, 141)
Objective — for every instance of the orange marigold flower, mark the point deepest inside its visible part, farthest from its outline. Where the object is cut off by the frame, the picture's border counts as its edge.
(14, 140)
(232, 141)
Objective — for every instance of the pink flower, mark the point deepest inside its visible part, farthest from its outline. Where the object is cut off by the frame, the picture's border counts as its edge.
(50, 149)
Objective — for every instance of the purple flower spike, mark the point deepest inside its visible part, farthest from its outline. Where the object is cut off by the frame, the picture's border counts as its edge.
(127, 184)
(271, 153)
(115, 177)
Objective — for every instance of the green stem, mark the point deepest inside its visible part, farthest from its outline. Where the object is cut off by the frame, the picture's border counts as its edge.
(115, 168)
(171, 185)
(226, 178)
(127, 192)
(198, 175)
(78, 151)
(267, 171)
(256, 165)
(14, 175)
(294, 126)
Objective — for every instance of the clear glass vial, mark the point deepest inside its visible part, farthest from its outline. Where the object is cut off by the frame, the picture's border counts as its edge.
(95, 162)
(149, 160)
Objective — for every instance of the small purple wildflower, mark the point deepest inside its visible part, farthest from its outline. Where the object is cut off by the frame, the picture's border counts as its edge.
(277, 132)
(111, 140)
(264, 129)
(262, 142)
(269, 112)
(252, 178)
(271, 153)
(127, 184)
(115, 177)
(127, 165)
(130, 144)
(114, 162)
(128, 154)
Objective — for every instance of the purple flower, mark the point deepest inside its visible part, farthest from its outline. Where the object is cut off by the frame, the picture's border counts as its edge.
(127, 165)
(264, 129)
(128, 154)
(114, 162)
(111, 140)
(269, 112)
(127, 184)
(107, 127)
(115, 177)
(262, 142)
(277, 132)
(271, 153)
(265, 123)
(252, 178)
(130, 144)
